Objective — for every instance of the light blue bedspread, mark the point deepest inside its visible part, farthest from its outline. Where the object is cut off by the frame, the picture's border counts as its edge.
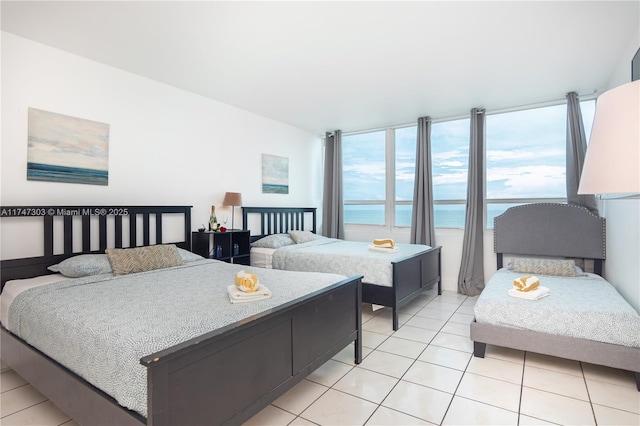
(100, 326)
(343, 257)
(585, 307)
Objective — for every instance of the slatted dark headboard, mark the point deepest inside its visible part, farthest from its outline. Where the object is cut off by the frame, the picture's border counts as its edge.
(34, 266)
(279, 220)
(545, 229)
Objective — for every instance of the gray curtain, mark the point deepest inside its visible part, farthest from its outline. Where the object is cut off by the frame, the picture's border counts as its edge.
(576, 150)
(471, 275)
(422, 227)
(332, 199)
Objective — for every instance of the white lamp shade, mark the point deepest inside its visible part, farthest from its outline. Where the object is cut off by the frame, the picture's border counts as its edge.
(612, 162)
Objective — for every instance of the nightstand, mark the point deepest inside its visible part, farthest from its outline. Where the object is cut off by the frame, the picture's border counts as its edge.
(220, 245)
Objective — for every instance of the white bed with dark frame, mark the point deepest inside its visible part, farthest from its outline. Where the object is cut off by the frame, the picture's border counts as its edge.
(558, 231)
(410, 274)
(213, 378)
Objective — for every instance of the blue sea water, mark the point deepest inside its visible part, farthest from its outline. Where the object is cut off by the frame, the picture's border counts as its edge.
(445, 216)
(268, 188)
(51, 173)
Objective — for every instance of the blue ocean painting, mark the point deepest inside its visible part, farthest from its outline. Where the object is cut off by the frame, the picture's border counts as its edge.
(275, 174)
(67, 149)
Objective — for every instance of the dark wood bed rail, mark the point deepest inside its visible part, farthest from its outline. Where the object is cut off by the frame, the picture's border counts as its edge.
(280, 220)
(48, 213)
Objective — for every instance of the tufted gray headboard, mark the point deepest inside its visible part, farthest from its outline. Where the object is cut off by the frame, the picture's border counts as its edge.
(559, 230)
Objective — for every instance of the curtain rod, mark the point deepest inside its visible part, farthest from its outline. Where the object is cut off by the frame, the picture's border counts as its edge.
(539, 104)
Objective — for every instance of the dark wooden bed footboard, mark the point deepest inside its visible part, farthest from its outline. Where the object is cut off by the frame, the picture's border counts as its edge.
(411, 276)
(228, 377)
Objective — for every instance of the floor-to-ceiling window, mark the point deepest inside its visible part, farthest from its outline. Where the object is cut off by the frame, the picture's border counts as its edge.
(525, 163)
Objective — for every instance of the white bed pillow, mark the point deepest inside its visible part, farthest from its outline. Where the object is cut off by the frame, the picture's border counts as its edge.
(83, 265)
(304, 236)
(274, 241)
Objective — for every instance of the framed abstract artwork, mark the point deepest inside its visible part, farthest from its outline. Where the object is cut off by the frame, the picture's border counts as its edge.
(67, 149)
(275, 174)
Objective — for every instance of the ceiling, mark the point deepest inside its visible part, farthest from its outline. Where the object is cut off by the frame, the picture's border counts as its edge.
(357, 65)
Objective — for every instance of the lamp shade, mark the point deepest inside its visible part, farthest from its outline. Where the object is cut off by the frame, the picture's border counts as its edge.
(611, 165)
(232, 199)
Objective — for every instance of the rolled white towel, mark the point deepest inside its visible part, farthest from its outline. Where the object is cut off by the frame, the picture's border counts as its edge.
(238, 296)
(246, 281)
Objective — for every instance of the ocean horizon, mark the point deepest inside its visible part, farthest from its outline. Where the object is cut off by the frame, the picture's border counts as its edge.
(270, 188)
(53, 173)
(446, 216)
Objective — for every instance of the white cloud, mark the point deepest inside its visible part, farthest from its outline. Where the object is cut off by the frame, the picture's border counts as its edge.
(405, 177)
(448, 178)
(371, 169)
(523, 154)
(502, 155)
(451, 164)
(525, 182)
(447, 155)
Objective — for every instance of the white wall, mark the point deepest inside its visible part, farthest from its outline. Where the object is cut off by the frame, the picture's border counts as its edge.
(166, 146)
(622, 267)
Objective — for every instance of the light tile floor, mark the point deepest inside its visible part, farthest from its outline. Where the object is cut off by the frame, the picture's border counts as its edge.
(422, 374)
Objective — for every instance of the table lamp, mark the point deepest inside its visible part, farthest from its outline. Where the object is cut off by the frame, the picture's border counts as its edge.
(232, 199)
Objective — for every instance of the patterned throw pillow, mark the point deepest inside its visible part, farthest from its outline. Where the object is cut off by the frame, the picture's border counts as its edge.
(557, 267)
(141, 259)
(273, 241)
(83, 265)
(303, 236)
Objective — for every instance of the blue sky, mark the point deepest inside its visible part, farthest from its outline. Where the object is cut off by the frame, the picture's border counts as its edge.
(364, 166)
